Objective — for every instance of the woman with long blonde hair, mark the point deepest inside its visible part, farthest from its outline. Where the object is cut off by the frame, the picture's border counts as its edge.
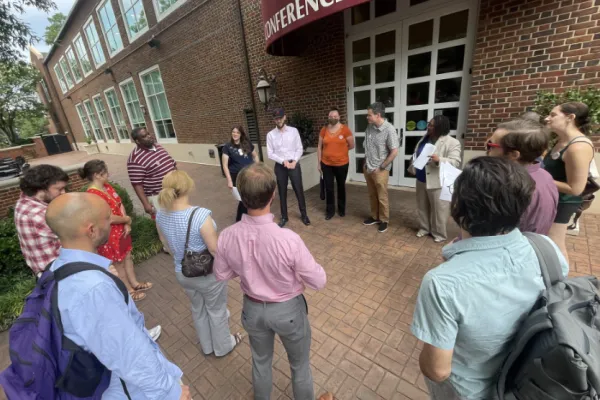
(207, 295)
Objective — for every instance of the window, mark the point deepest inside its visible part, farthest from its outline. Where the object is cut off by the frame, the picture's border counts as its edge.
(66, 72)
(84, 59)
(104, 122)
(117, 115)
(157, 101)
(61, 78)
(165, 7)
(132, 104)
(134, 17)
(108, 22)
(74, 65)
(92, 118)
(84, 121)
(93, 40)
(46, 92)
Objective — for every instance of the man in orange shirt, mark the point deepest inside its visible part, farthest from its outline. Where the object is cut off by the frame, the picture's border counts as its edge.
(335, 141)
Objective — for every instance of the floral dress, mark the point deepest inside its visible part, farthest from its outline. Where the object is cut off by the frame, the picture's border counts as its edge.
(117, 247)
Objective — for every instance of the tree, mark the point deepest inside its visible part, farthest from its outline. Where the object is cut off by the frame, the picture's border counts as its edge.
(18, 97)
(52, 30)
(30, 125)
(15, 34)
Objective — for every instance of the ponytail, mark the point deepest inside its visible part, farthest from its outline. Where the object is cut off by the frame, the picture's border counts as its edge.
(166, 197)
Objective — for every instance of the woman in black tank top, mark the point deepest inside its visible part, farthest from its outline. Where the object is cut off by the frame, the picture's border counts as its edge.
(568, 163)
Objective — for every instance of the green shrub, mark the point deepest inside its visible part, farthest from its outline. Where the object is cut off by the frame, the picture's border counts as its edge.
(11, 258)
(13, 290)
(146, 242)
(305, 128)
(125, 198)
(546, 101)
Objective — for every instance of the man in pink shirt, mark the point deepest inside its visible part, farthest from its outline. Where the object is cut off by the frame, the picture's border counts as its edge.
(273, 265)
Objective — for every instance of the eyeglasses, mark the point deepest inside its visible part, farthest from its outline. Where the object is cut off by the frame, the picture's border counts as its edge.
(489, 145)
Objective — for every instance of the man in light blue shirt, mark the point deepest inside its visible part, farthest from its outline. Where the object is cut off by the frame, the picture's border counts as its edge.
(470, 307)
(93, 312)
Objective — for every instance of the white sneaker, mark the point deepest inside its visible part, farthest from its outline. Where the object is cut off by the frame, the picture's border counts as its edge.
(155, 332)
(422, 233)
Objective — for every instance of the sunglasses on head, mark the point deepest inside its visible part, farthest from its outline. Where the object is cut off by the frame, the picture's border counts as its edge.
(489, 145)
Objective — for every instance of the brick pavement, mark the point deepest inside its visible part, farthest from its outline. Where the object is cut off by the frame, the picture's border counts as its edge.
(362, 346)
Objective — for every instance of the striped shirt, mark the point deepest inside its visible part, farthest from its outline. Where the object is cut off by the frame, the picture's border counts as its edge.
(148, 167)
(379, 144)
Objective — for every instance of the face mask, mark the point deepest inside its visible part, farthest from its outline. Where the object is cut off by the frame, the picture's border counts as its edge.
(333, 121)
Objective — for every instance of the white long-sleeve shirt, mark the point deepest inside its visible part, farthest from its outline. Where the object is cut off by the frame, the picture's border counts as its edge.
(284, 145)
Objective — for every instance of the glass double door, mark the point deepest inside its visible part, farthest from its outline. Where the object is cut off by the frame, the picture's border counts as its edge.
(417, 68)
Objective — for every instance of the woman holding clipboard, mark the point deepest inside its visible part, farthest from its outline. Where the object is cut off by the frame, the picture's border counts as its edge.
(237, 153)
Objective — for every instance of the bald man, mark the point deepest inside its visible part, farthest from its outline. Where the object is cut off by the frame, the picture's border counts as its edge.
(93, 312)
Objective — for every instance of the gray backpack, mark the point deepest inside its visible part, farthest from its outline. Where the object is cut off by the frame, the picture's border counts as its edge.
(556, 352)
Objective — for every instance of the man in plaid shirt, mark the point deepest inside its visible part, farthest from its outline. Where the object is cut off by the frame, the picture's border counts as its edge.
(39, 186)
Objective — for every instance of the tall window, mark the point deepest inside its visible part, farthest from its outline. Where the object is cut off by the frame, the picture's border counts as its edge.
(108, 22)
(82, 54)
(93, 40)
(61, 78)
(92, 118)
(73, 64)
(66, 72)
(117, 115)
(104, 122)
(46, 91)
(84, 121)
(134, 17)
(157, 101)
(165, 7)
(132, 104)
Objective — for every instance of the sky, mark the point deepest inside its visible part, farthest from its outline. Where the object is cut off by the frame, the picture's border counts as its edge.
(38, 21)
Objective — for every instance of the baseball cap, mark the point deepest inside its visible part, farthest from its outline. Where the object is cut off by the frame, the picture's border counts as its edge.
(279, 113)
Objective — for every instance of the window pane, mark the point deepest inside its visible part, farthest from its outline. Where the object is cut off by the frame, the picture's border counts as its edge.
(417, 93)
(386, 96)
(385, 44)
(360, 162)
(451, 59)
(360, 123)
(361, 13)
(383, 7)
(361, 50)
(164, 106)
(360, 144)
(447, 90)
(451, 113)
(419, 65)
(170, 129)
(416, 120)
(384, 71)
(390, 117)
(454, 26)
(362, 75)
(362, 99)
(411, 144)
(420, 35)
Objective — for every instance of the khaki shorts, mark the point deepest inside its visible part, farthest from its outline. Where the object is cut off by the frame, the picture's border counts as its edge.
(154, 201)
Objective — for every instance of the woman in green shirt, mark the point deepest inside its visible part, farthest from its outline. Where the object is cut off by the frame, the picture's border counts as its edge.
(568, 163)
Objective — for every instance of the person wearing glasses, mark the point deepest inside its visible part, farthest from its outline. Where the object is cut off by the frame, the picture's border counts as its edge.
(433, 212)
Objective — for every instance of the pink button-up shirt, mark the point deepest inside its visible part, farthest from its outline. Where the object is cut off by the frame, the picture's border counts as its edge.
(273, 263)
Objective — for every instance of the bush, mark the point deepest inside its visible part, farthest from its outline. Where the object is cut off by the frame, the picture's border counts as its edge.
(306, 129)
(146, 243)
(123, 194)
(545, 102)
(11, 258)
(13, 290)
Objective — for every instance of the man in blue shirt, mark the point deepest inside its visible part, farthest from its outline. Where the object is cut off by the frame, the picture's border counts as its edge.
(93, 312)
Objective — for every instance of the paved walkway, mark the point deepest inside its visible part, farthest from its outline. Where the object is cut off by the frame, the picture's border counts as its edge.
(362, 346)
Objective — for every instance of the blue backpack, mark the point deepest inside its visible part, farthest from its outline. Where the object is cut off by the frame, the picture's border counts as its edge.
(45, 364)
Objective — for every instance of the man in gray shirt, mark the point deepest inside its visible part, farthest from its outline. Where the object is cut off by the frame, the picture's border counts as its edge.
(381, 147)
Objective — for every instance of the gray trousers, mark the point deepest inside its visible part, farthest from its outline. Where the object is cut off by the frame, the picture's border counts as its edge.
(290, 321)
(209, 312)
(433, 212)
(442, 391)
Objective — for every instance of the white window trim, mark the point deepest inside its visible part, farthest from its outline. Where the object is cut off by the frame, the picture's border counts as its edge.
(63, 58)
(140, 33)
(69, 63)
(160, 140)
(81, 121)
(104, 32)
(85, 75)
(112, 117)
(159, 16)
(63, 86)
(89, 21)
(90, 120)
(100, 119)
(123, 83)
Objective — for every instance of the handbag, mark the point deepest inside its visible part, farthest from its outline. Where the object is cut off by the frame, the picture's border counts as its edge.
(322, 187)
(593, 182)
(195, 264)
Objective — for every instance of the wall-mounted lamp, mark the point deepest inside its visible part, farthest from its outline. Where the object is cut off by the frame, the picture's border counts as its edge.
(266, 88)
(108, 71)
(154, 42)
(144, 109)
(69, 97)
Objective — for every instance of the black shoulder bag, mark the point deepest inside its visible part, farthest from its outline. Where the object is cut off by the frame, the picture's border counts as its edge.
(193, 263)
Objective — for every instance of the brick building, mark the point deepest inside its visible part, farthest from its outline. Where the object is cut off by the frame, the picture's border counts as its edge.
(188, 69)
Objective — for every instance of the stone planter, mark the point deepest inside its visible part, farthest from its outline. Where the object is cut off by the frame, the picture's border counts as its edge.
(91, 148)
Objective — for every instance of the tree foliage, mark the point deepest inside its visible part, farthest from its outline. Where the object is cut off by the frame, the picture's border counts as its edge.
(31, 125)
(18, 97)
(546, 101)
(15, 34)
(52, 30)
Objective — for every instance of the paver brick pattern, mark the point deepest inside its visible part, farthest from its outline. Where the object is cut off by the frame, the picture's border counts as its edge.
(362, 347)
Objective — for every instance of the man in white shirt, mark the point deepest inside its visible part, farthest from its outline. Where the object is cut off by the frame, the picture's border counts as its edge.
(284, 146)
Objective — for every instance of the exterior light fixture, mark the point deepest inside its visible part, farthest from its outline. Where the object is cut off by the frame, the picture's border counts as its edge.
(144, 109)
(266, 88)
(154, 42)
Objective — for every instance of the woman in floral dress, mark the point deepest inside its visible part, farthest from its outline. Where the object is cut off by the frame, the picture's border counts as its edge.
(118, 247)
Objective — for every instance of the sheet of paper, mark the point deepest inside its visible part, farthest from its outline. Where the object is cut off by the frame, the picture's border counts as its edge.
(448, 174)
(236, 194)
(424, 156)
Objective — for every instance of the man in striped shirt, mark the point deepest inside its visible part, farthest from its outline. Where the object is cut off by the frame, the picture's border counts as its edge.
(147, 165)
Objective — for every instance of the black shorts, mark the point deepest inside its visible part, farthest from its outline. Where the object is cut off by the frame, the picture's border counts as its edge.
(565, 211)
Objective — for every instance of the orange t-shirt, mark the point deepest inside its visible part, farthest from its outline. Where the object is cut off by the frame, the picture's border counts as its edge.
(335, 146)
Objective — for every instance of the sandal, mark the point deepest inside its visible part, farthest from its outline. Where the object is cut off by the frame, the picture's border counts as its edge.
(238, 338)
(137, 296)
(142, 286)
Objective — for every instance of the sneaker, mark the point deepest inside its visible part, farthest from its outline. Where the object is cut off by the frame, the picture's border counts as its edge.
(439, 240)
(383, 226)
(422, 233)
(155, 332)
(371, 221)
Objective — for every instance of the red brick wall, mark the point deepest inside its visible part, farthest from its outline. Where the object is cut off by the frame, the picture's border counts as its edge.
(27, 151)
(526, 46)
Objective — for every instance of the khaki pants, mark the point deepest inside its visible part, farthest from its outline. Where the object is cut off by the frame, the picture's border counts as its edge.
(154, 201)
(433, 212)
(378, 194)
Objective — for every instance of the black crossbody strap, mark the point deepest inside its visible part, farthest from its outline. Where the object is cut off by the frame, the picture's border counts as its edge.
(547, 257)
(76, 267)
(189, 229)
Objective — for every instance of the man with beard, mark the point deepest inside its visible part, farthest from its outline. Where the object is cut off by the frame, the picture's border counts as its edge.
(93, 313)
(147, 165)
(39, 186)
(284, 146)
